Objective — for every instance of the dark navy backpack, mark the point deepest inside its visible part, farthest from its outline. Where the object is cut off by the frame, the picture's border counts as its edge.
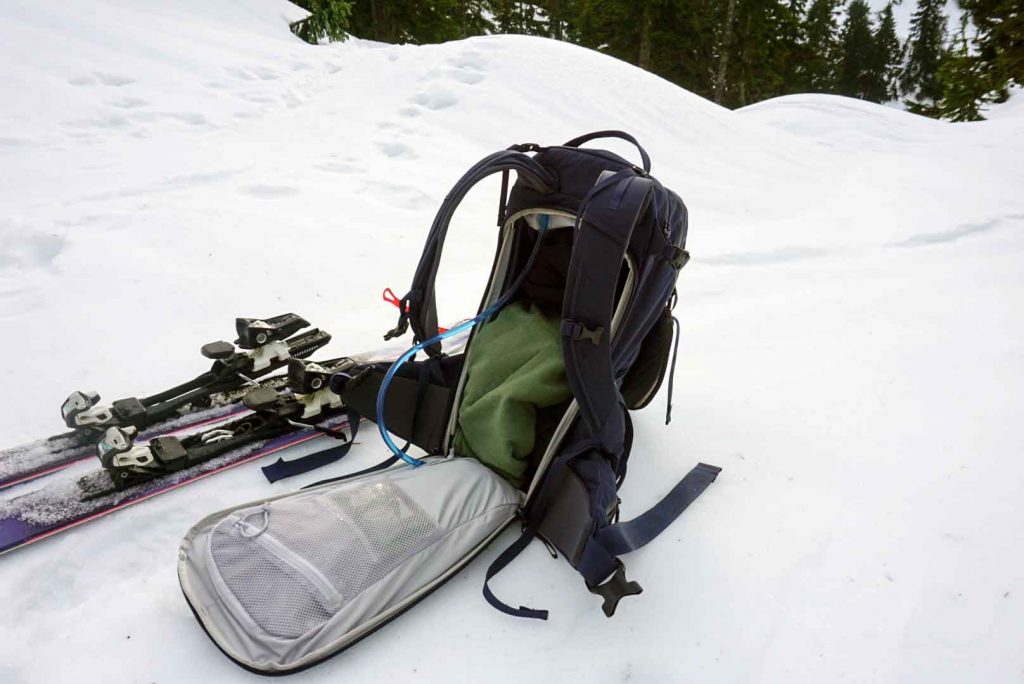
(599, 243)
(526, 420)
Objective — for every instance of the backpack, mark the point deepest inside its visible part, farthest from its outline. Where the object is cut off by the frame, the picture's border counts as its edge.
(617, 288)
(574, 331)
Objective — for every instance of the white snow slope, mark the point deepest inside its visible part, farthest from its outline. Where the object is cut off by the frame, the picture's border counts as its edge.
(851, 355)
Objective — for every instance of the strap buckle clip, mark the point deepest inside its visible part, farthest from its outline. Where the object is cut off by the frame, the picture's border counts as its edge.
(677, 257)
(614, 589)
(575, 330)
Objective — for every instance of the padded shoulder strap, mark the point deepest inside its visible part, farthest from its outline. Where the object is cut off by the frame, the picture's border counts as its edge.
(605, 224)
(418, 306)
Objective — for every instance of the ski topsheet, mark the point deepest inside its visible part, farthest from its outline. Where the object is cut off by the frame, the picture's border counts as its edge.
(67, 502)
(29, 461)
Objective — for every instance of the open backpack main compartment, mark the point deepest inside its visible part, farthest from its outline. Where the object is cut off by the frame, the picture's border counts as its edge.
(529, 421)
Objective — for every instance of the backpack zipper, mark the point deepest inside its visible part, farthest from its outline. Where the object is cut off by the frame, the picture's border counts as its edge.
(293, 560)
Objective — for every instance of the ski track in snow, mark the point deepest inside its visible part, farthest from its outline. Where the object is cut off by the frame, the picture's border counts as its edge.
(851, 348)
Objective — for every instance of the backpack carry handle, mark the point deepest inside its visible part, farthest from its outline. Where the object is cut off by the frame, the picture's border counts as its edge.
(576, 142)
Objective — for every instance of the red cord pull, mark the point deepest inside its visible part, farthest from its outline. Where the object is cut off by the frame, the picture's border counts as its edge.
(391, 298)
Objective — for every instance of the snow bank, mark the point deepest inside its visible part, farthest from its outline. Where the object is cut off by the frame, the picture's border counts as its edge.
(851, 348)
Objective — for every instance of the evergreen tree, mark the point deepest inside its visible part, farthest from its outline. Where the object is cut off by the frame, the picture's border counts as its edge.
(920, 80)
(887, 60)
(327, 19)
(420, 21)
(513, 16)
(818, 73)
(999, 41)
(856, 74)
(763, 47)
(965, 86)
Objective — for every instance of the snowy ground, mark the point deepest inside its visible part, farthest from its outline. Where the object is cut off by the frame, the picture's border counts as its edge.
(852, 347)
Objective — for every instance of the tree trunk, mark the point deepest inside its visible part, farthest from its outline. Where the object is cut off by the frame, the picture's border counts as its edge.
(555, 16)
(646, 24)
(724, 45)
(374, 20)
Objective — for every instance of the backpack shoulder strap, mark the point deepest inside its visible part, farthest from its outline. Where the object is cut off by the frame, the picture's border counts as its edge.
(608, 215)
(418, 307)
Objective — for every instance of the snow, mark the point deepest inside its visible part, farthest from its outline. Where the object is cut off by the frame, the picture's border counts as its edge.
(851, 349)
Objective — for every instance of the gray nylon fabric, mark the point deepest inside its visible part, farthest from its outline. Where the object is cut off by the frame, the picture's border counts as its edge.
(285, 582)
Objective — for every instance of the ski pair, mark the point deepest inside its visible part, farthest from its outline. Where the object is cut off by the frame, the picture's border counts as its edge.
(263, 346)
(131, 472)
(273, 418)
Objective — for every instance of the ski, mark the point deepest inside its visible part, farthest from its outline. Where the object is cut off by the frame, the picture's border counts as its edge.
(66, 503)
(263, 346)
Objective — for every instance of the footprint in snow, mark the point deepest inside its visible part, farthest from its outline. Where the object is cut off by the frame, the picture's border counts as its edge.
(128, 103)
(114, 80)
(191, 118)
(265, 73)
(24, 248)
(399, 196)
(954, 234)
(110, 122)
(469, 60)
(263, 191)
(396, 150)
(435, 98)
(338, 166)
(239, 73)
(466, 76)
(467, 68)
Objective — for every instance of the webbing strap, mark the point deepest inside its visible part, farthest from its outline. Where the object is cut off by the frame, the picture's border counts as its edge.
(644, 157)
(630, 535)
(672, 369)
(499, 564)
(386, 463)
(281, 469)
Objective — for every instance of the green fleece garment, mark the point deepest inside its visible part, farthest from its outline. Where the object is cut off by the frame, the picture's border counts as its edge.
(515, 368)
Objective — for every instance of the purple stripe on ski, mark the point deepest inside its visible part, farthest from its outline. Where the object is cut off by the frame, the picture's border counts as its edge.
(56, 508)
(35, 459)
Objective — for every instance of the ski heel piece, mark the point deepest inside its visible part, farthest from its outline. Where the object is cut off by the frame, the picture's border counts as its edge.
(78, 404)
(116, 441)
(310, 383)
(80, 411)
(257, 332)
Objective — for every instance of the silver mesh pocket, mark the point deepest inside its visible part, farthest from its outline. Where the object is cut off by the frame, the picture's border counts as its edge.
(274, 594)
(293, 563)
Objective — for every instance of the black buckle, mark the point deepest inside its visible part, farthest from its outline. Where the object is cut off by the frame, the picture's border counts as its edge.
(577, 331)
(677, 257)
(525, 147)
(615, 589)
